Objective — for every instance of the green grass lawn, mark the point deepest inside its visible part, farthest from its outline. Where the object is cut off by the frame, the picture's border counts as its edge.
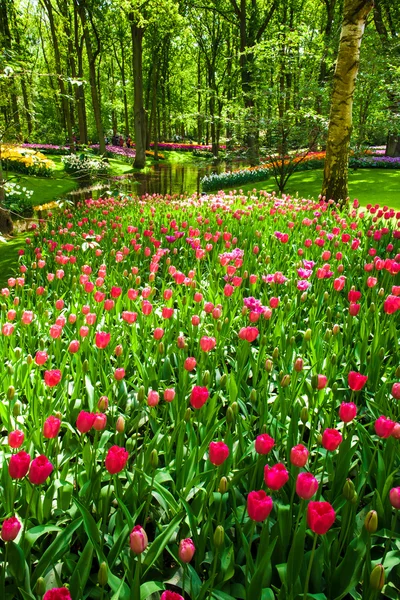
(8, 258)
(370, 186)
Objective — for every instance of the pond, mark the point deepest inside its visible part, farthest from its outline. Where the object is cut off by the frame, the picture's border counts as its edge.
(158, 178)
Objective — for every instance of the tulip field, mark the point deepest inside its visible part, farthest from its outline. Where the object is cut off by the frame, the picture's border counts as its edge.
(199, 400)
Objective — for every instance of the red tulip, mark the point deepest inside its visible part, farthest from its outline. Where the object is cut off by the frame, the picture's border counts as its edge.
(40, 470)
(322, 381)
(198, 396)
(167, 595)
(249, 334)
(51, 427)
(354, 309)
(57, 594)
(394, 496)
(186, 550)
(396, 391)
(102, 339)
(190, 363)
(384, 427)
(207, 343)
(10, 529)
(275, 477)
(116, 459)
(218, 453)
(119, 374)
(84, 421)
(264, 443)
(306, 485)
(52, 378)
(391, 304)
(41, 357)
(169, 394)
(320, 517)
(347, 411)
(153, 398)
(354, 296)
(19, 465)
(138, 540)
(100, 422)
(331, 439)
(16, 438)
(356, 381)
(259, 505)
(299, 455)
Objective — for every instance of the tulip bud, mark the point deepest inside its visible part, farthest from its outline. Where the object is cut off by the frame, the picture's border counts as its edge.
(333, 360)
(334, 387)
(223, 485)
(381, 353)
(336, 329)
(17, 352)
(230, 417)
(11, 392)
(319, 439)
(161, 347)
(304, 415)
(85, 366)
(328, 335)
(263, 340)
(303, 297)
(349, 489)
(275, 354)
(285, 381)
(154, 459)
(138, 540)
(102, 404)
(219, 535)
(372, 307)
(268, 365)
(328, 313)
(188, 415)
(141, 394)
(326, 296)
(222, 381)
(40, 587)
(17, 408)
(206, 378)
(235, 408)
(103, 574)
(29, 359)
(307, 335)
(253, 395)
(314, 382)
(120, 425)
(298, 364)
(371, 521)
(10, 369)
(219, 325)
(377, 578)
(381, 292)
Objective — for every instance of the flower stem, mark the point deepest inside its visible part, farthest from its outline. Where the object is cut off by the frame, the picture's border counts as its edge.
(309, 567)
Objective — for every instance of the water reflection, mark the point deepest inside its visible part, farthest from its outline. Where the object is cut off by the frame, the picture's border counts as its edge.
(159, 178)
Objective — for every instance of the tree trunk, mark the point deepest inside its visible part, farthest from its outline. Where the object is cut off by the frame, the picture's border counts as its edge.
(139, 112)
(6, 35)
(80, 92)
(154, 105)
(335, 185)
(61, 84)
(92, 78)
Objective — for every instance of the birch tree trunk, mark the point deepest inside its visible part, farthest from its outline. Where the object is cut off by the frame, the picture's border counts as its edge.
(335, 185)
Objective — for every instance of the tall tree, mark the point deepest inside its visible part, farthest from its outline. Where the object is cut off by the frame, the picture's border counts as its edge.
(335, 184)
(86, 16)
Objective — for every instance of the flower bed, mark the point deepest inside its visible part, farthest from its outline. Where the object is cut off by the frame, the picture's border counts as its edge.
(314, 160)
(26, 160)
(200, 397)
(83, 165)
